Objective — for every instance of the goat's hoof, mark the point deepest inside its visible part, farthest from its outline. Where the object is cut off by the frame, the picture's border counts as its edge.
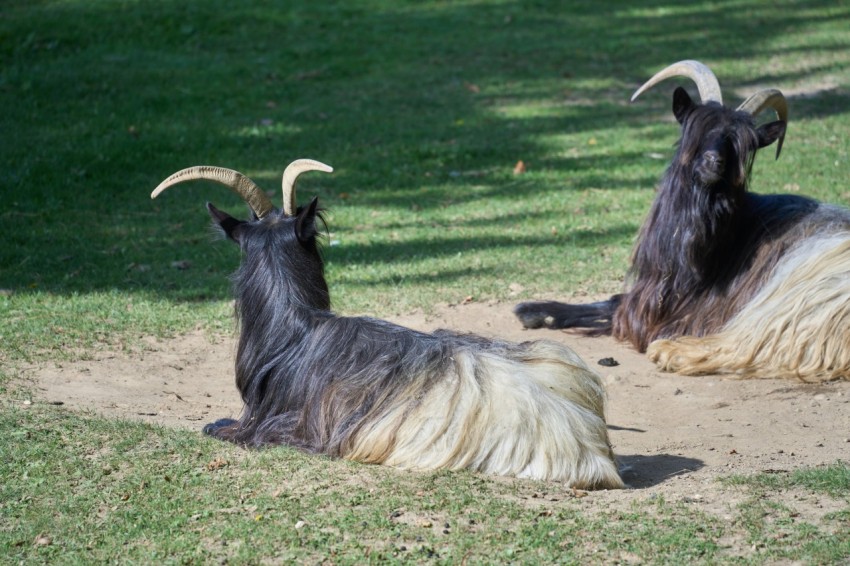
(662, 353)
(530, 316)
(211, 428)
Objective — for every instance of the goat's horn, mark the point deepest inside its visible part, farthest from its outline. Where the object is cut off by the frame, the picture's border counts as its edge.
(768, 98)
(290, 177)
(252, 194)
(709, 88)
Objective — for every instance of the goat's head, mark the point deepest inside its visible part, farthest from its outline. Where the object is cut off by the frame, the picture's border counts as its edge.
(718, 144)
(274, 242)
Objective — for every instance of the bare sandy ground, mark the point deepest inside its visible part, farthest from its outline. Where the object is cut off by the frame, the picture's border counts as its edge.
(674, 435)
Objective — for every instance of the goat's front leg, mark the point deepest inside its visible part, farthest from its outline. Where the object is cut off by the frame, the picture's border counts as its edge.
(687, 356)
(217, 429)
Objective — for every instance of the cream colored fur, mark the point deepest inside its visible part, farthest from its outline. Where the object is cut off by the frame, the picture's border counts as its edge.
(537, 414)
(797, 326)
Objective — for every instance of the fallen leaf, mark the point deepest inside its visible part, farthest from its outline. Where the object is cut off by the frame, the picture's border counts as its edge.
(175, 394)
(217, 464)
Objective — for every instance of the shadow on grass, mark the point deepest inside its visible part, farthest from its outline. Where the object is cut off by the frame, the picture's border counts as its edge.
(111, 97)
(442, 246)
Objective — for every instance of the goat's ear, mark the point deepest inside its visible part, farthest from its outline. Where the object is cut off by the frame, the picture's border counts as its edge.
(769, 133)
(231, 227)
(682, 104)
(305, 222)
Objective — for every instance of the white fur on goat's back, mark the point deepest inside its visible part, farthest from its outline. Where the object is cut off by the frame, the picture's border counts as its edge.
(536, 414)
(796, 326)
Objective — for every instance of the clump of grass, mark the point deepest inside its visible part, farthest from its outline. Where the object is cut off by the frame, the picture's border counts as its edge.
(833, 479)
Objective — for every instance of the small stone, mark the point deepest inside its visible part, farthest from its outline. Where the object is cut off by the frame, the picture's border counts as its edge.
(43, 540)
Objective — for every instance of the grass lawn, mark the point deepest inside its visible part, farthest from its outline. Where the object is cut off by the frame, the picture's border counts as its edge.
(424, 109)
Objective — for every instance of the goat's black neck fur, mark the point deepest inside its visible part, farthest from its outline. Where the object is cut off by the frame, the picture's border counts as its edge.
(694, 224)
(280, 288)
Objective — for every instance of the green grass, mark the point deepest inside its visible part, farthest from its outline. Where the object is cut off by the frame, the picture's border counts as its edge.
(423, 108)
(831, 480)
(81, 490)
(766, 518)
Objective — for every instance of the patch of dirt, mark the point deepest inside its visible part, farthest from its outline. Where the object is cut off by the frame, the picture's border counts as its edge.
(674, 435)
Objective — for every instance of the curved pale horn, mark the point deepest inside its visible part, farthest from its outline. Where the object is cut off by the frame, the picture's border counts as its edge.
(709, 88)
(768, 98)
(250, 192)
(290, 177)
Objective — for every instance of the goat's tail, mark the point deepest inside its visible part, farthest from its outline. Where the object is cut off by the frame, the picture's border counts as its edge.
(593, 319)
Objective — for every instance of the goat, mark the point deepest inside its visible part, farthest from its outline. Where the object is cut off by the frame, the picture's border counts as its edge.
(724, 280)
(371, 391)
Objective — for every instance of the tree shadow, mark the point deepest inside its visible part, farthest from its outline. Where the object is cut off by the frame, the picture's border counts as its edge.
(404, 99)
(446, 246)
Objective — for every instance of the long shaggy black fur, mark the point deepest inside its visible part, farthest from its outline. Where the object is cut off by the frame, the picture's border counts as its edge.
(707, 244)
(292, 349)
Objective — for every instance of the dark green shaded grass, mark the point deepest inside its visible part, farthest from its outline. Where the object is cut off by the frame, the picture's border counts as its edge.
(422, 108)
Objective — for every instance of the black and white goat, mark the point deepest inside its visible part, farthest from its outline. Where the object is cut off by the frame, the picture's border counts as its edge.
(371, 391)
(724, 280)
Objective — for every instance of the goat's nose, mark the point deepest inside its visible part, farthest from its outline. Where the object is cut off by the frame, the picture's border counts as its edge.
(713, 158)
